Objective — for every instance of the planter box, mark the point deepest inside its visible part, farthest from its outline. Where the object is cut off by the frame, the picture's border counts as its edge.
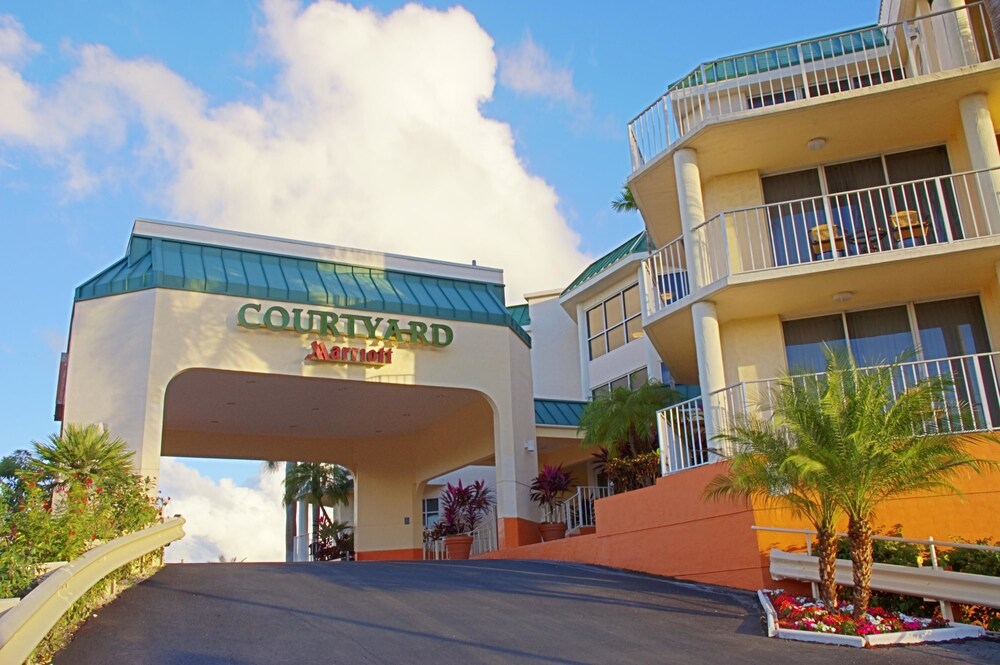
(956, 631)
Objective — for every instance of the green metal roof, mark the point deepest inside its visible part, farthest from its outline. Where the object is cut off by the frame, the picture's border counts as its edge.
(560, 412)
(520, 314)
(188, 266)
(634, 245)
(785, 55)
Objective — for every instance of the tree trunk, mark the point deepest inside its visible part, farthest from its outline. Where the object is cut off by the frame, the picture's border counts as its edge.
(290, 519)
(860, 532)
(826, 550)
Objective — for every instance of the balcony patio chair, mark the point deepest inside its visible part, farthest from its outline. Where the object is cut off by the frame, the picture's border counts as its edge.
(822, 247)
(908, 230)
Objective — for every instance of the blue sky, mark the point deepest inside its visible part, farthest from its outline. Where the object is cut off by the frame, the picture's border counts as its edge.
(93, 153)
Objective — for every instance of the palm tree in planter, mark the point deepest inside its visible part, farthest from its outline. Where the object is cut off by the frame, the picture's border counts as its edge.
(82, 452)
(623, 423)
(867, 441)
(463, 508)
(547, 489)
(759, 469)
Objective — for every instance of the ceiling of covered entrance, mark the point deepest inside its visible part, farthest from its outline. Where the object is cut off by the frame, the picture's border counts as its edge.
(292, 406)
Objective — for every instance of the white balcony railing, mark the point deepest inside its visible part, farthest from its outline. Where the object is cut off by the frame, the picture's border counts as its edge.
(876, 221)
(971, 404)
(870, 56)
(579, 508)
(484, 536)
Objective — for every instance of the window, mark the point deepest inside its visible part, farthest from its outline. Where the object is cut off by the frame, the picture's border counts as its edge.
(804, 207)
(614, 323)
(632, 380)
(431, 512)
(945, 329)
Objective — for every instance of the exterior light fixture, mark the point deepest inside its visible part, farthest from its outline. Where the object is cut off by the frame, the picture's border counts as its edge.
(817, 143)
(843, 296)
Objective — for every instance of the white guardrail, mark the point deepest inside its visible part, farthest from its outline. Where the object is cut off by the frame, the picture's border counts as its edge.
(871, 56)
(928, 582)
(579, 508)
(26, 624)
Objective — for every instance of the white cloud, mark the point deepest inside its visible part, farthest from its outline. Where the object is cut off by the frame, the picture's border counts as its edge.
(222, 517)
(370, 136)
(527, 69)
(15, 45)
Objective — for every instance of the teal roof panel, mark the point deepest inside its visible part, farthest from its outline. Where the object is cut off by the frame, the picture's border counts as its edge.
(189, 266)
(559, 412)
(638, 244)
(521, 314)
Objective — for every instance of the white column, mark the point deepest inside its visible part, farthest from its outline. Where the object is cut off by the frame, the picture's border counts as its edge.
(302, 528)
(692, 209)
(980, 138)
(584, 343)
(708, 344)
(959, 39)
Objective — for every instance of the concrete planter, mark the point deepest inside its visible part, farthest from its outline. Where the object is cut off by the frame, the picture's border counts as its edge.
(956, 631)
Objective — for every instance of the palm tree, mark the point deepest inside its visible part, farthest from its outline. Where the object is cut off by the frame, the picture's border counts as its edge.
(623, 421)
(82, 452)
(319, 484)
(855, 440)
(869, 441)
(759, 469)
(625, 201)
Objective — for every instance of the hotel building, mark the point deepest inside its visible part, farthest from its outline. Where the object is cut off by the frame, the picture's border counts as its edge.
(840, 190)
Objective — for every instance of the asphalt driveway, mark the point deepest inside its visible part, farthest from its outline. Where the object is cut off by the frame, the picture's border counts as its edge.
(447, 612)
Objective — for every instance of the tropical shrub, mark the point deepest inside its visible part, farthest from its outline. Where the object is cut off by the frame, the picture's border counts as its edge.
(550, 485)
(463, 507)
(629, 473)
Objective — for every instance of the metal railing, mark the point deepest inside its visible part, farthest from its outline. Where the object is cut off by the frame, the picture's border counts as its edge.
(971, 403)
(26, 623)
(944, 210)
(871, 56)
(579, 508)
(484, 537)
(952, 587)
(434, 549)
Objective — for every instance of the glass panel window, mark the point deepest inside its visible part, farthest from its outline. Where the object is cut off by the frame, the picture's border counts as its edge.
(631, 296)
(613, 310)
(637, 378)
(616, 338)
(805, 340)
(595, 321)
(951, 328)
(633, 328)
(600, 391)
(879, 336)
(615, 322)
(621, 382)
(431, 512)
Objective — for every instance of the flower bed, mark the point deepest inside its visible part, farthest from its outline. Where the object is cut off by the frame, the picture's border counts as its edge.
(798, 613)
(795, 617)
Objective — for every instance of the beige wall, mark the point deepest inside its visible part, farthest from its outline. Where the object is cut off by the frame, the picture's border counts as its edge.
(731, 192)
(125, 350)
(555, 357)
(752, 349)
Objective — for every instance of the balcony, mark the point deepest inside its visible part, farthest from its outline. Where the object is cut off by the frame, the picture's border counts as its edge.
(974, 384)
(793, 74)
(847, 229)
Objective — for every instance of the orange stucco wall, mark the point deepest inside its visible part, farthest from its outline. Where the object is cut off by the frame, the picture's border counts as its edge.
(661, 530)
(670, 530)
(516, 531)
(391, 555)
